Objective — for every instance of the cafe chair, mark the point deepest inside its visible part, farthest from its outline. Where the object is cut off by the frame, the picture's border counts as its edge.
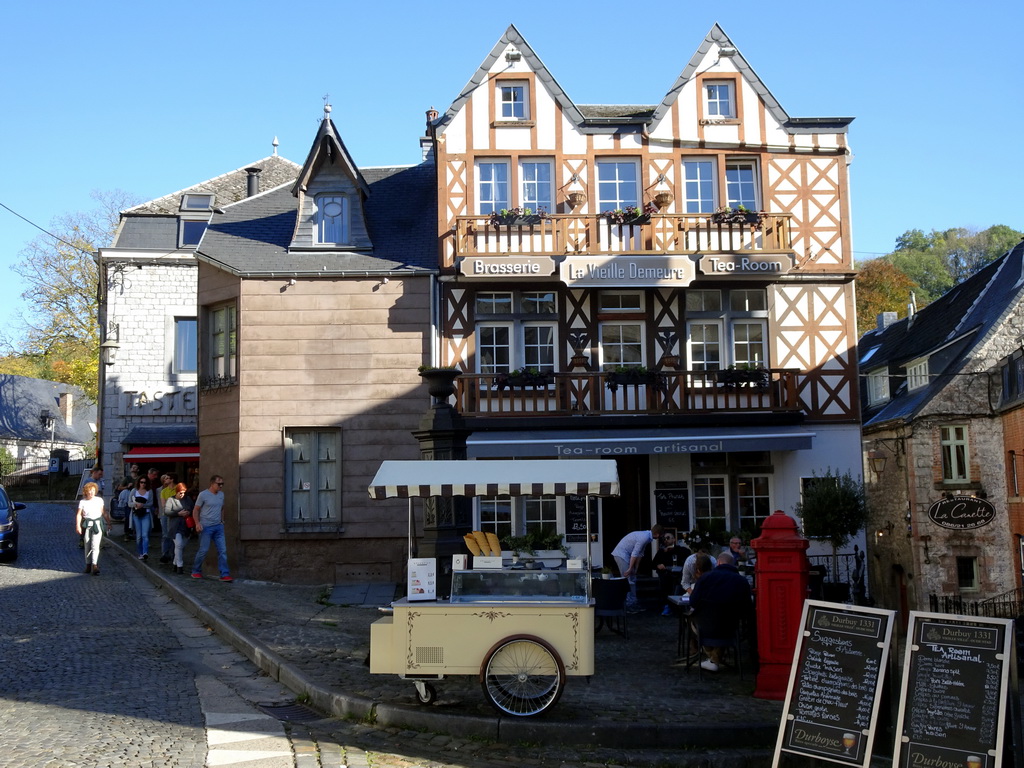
(718, 631)
(610, 604)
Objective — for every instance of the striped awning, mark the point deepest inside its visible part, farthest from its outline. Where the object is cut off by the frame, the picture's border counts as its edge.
(421, 479)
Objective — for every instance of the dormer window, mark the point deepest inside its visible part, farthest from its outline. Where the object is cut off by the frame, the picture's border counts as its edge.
(194, 202)
(917, 375)
(190, 232)
(878, 386)
(332, 219)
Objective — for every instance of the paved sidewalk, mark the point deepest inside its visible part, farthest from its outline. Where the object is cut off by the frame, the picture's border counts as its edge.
(318, 648)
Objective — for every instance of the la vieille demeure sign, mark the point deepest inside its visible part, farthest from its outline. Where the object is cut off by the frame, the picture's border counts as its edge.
(961, 512)
(624, 270)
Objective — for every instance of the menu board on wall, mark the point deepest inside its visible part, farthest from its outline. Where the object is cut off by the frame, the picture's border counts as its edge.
(576, 518)
(672, 505)
(953, 704)
(836, 682)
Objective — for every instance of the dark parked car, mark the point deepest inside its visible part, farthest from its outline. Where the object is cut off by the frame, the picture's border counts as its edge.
(9, 525)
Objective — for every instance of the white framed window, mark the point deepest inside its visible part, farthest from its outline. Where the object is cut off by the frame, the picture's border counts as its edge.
(495, 515)
(186, 341)
(741, 184)
(621, 344)
(513, 100)
(967, 574)
(222, 338)
(516, 330)
(313, 477)
(878, 386)
(504, 516)
(748, 342)
(748, 300)
(192, 201)
(709, 502)
(492, 186)
(617, 185)
(955, 453)
(699, 186)
(332, 219)
(190, 232)
(620, 301)
(535, 179)
(704, 345)
(917, 375)
(753, 498)
(698, 300)
(719, 99)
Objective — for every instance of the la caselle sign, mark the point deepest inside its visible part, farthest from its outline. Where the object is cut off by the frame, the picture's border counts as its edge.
(746, 265)
(489, 267)
(626, 270)
(962, 512)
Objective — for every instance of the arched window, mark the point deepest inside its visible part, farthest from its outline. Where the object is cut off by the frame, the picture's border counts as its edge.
(332, 216)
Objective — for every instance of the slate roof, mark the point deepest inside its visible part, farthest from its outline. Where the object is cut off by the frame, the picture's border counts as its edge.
(251, 237)
(946, 331)
(227, 188)
(22, 401)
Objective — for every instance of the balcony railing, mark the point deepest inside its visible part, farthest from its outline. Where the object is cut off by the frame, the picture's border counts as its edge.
(676, 233)
(600, 393)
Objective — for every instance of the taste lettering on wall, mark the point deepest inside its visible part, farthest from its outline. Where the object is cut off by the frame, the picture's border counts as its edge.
(159, 402)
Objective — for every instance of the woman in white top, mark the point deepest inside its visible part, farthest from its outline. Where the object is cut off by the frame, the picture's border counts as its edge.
(92, 514)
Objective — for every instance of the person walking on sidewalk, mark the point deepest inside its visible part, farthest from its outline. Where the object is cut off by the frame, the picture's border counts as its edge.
(92, 513)
(142, 520)
(175, 513)
(209, 516)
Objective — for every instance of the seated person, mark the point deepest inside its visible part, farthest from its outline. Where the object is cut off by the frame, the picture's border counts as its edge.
(668, 567)
(720, 600)
(689, 577)
(741, 554)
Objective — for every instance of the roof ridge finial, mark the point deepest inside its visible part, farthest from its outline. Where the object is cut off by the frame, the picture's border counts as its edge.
(327, 106)
(275, 143)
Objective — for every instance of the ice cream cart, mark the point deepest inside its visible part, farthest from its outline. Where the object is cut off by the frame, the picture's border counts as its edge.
(522, 632)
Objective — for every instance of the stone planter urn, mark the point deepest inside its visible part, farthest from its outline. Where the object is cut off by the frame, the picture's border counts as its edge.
(440, 383)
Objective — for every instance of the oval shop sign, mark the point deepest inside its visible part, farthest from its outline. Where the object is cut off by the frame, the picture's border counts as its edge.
(962, 512)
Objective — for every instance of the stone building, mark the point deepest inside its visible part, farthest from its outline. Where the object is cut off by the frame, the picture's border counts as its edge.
(935, 400)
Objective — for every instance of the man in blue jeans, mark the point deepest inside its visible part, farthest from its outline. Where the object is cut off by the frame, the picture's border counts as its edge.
(209, 516)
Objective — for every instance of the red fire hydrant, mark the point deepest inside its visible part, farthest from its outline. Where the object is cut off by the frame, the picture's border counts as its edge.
(780, 577)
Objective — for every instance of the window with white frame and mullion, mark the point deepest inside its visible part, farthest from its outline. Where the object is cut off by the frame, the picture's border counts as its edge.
(704, 344)
(512, 97)
(617, 185)
(748, 343)
(741, 184)
(699, 186)
(709, 502)
(718, 99)
(955, 457)
(492, 187)
(536, 186)
(621, 345)
(753, 501)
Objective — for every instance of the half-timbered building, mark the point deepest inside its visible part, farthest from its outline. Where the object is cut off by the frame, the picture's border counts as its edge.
(668, 285)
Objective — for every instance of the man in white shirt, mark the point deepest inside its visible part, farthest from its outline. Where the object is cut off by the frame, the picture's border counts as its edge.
(628, 553)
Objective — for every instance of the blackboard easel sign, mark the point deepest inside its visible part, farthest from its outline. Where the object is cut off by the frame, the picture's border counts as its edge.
(672, 505)
(955, 703)
(576, 518)
(839, 666)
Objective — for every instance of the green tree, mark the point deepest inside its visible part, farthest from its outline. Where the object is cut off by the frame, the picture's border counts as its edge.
(962, 250)
(881, 287)
(59, 335)
(833, 509)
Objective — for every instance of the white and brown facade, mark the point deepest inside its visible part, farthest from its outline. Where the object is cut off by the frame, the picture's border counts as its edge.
(687, 295)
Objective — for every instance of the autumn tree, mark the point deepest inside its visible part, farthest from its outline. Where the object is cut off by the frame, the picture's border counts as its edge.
(881, 287)
(59, 335)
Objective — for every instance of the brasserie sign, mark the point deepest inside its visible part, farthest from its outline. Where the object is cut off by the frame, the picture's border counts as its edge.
(490, 267)
(961, 512)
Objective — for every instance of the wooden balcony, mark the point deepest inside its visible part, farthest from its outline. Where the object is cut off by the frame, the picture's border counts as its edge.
(589, 393)
(669, 233)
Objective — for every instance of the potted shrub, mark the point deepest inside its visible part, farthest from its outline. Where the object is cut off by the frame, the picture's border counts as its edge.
(631, 214)
(744, 375)
(606, 572)
(630, 374)
(739, 215)
(517, 217)
(524, 377)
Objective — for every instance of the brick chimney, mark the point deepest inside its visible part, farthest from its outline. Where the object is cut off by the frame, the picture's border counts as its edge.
(65, 402)
(427, 139)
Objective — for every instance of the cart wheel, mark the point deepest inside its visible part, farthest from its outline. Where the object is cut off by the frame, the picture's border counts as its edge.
(426, 694)
(522, 676)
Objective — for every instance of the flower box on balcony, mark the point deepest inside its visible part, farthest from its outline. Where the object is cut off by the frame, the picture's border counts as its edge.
(744, 377)
(630, 215)
(516, 217)
(631, 375)
(739, 215)
(524, 377)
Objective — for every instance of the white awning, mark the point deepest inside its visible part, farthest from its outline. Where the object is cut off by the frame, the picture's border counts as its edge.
(421, 479)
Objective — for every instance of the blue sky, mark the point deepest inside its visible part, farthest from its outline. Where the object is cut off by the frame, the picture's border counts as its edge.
(150, 98)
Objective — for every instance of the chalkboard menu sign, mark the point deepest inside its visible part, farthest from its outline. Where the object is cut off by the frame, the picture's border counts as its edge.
(672, 505)
(576, 518)
(953, 704)
(832, 701)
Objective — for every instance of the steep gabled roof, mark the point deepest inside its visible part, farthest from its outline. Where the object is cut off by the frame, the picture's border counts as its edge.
(603, 118)
(946, 332)
(328, 147)
(23, 399)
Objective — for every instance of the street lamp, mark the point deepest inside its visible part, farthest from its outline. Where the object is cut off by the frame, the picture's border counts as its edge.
(47, 421)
